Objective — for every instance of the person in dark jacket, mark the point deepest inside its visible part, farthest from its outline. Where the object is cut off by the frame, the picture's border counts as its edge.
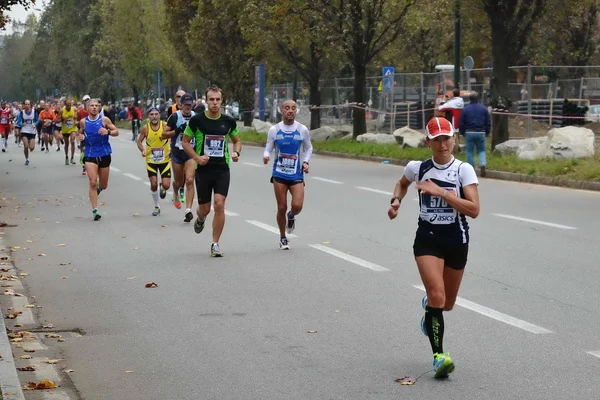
(475, 125)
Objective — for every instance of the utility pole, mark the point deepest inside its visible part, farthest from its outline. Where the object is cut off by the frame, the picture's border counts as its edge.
(457, 44)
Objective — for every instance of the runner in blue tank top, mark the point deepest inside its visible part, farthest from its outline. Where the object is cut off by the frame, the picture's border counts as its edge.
(288, 136)
(93, 133)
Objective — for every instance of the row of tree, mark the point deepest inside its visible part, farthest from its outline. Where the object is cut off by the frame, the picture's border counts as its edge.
(111, 48)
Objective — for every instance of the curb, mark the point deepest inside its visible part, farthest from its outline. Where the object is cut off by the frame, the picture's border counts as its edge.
(9, 380)
(500, 175)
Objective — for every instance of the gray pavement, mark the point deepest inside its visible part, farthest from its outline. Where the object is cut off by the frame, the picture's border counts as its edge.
(237, 327)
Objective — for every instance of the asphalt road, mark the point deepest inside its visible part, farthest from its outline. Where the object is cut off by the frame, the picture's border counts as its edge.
(238, 327)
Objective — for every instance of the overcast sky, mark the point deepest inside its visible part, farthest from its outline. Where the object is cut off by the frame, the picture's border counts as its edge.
(18, 13)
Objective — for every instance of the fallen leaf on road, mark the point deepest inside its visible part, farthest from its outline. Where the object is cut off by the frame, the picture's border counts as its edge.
(64, 264)
(129, 372)
(53, 336)
(29, 350)
(29, 241)
(61, 340)
(311, 332)
(164, 226)
(16, 340)
(407, 380)
(48, 326)
(37, 219)
(136, 214)
(123, 237)
(53, 361)
(61, 245)
(42, 255)
(65, 277)
(4, 269)
(14, 315)
(102, 203)
(151, 285)
(326, 242)
(27, 368)
(29, 258)
(25, 357)
(24, 274)
(68, 370)
(18, 325)
(29, 306)
(16, 247)
(19, 295)
(131, 277)
(43, 385)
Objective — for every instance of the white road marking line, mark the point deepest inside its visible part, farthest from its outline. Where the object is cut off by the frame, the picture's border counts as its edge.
(374, 190)
(269, 228)
(253, 164)
(594, 353)
(534, 221)
(348, 257)
(137, 178)
(115, 169)
(488, 312)
(328, 180)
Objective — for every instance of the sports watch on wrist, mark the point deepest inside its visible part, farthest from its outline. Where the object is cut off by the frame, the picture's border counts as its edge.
(394, 198)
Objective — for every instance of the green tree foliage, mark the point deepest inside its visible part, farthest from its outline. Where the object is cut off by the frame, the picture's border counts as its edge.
(5, 5)
(363, 29)
(217, 50)
(296, 36)
(511, 24)
(15, 51)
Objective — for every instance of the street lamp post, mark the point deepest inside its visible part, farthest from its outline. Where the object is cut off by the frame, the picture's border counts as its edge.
(457, 44)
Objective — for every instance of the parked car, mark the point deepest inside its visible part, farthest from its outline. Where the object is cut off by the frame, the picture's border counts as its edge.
(593, 114)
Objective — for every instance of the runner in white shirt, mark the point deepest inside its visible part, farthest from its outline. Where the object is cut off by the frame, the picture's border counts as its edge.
(448, 194)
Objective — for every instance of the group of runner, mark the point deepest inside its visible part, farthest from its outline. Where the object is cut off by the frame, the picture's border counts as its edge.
(192, 146)
(49, 123)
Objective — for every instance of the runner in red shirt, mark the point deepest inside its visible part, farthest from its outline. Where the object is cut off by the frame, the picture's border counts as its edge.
(5, 121)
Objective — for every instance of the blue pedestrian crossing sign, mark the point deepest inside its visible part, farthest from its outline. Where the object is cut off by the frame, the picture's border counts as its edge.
(388, 78)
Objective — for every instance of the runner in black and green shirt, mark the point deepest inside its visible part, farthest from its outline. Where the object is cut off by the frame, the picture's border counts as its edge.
(212, 131)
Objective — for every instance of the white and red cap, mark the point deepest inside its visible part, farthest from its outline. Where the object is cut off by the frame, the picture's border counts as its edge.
(438, 126)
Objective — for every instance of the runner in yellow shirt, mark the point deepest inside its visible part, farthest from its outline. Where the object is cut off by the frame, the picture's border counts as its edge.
(157, 153)
(69, 126)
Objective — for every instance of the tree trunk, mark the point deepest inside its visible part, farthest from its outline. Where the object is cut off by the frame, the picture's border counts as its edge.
(358, 113)
(499, 93)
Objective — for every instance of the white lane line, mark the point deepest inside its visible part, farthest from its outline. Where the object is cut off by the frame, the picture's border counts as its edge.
(327, 180)
(594, 353)
(348, 257)
(137, 178)
(534, 221)
(374, 190)
(269, 228)
(115, 169)
(488, 312)
(253, 164)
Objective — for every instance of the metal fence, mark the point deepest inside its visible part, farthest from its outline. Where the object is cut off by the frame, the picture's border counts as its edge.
(389, 102)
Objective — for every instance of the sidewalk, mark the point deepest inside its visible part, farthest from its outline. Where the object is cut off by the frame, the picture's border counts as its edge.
(30, 366)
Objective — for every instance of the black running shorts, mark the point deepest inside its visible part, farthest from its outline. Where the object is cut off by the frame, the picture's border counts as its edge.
(102, 162)
(287, 182)
(210, 181)
(454, 255)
